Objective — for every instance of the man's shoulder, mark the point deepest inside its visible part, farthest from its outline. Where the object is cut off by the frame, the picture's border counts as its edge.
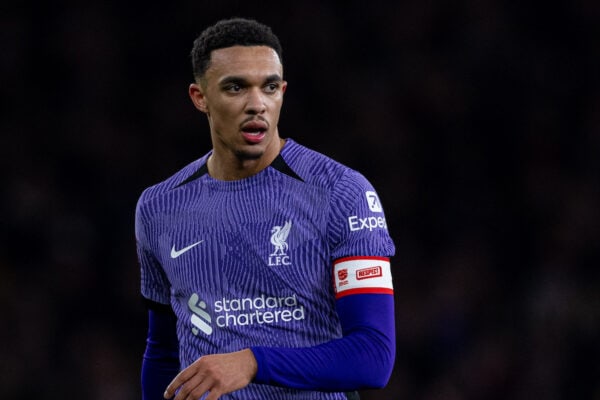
(171, 182)
(315, 167)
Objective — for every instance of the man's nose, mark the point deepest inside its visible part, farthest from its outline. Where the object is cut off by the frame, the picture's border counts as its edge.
(256, 102)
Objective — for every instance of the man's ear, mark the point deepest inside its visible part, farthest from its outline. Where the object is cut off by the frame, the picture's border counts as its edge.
(197, 95)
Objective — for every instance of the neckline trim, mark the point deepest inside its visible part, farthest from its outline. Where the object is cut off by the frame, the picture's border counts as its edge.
(278, 164)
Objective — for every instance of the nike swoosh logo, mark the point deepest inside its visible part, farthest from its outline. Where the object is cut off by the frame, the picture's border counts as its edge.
(177, 253)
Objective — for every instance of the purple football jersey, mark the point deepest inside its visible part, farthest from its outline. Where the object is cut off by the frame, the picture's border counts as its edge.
(249, 262)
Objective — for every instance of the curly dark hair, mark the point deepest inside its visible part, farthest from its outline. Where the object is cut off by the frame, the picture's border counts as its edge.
(228, 33)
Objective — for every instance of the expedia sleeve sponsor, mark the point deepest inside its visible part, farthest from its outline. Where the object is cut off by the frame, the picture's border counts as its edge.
(369, 223)
(358, 223)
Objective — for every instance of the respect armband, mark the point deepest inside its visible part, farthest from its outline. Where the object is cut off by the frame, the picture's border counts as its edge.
(360, 275)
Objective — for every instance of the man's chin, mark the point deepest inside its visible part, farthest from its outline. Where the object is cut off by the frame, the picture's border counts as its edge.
(249, 154)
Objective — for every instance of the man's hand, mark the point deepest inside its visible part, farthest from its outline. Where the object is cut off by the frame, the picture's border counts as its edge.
(217, 374)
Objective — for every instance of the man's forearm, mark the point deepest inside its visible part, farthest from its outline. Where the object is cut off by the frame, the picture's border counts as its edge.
(363, 358)
(161, 361)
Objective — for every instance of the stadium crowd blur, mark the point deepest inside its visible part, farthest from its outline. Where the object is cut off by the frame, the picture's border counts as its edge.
(477, 121)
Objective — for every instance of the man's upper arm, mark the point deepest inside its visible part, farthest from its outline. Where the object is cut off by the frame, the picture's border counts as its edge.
(154, 282)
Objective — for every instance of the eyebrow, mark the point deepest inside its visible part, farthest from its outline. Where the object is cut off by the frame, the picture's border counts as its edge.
(241, 80)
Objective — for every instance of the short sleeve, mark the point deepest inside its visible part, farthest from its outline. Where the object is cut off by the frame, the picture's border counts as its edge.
(155, 285)
(357, 224)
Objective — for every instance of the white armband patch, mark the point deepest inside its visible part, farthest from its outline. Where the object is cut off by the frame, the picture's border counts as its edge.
(358, 275)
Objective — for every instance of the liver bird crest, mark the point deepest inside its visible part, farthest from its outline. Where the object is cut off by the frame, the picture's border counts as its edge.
(279, 238)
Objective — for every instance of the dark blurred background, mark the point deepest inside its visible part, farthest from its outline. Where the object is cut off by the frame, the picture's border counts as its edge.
(478, 121)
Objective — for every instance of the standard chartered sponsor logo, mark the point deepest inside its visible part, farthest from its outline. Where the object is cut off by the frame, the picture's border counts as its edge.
(245, 311)
(200, 318)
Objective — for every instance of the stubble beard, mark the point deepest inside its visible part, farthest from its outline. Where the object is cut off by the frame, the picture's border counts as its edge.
(243, 155)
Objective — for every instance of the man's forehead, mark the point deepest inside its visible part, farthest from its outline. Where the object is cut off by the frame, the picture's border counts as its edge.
(236, 60)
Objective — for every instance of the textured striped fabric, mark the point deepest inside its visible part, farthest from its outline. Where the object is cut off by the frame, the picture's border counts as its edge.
(249, 262)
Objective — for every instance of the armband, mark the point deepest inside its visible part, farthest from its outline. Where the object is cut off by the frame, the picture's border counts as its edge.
(362, 275)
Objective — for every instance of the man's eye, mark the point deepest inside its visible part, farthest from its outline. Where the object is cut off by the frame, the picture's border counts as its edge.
(272, 87)
(233, 88)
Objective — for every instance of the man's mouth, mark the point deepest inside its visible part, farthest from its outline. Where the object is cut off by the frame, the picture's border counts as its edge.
(253, 137)
(254, 131)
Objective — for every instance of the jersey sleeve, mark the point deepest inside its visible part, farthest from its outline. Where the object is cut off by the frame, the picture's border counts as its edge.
(362, 359)
(155, 285)
(357, 224)
(160, 363)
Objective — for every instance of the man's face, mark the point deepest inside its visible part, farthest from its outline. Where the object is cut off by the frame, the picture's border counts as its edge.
(242, 93)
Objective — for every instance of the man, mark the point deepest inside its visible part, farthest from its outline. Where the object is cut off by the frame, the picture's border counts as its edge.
(265, 265)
